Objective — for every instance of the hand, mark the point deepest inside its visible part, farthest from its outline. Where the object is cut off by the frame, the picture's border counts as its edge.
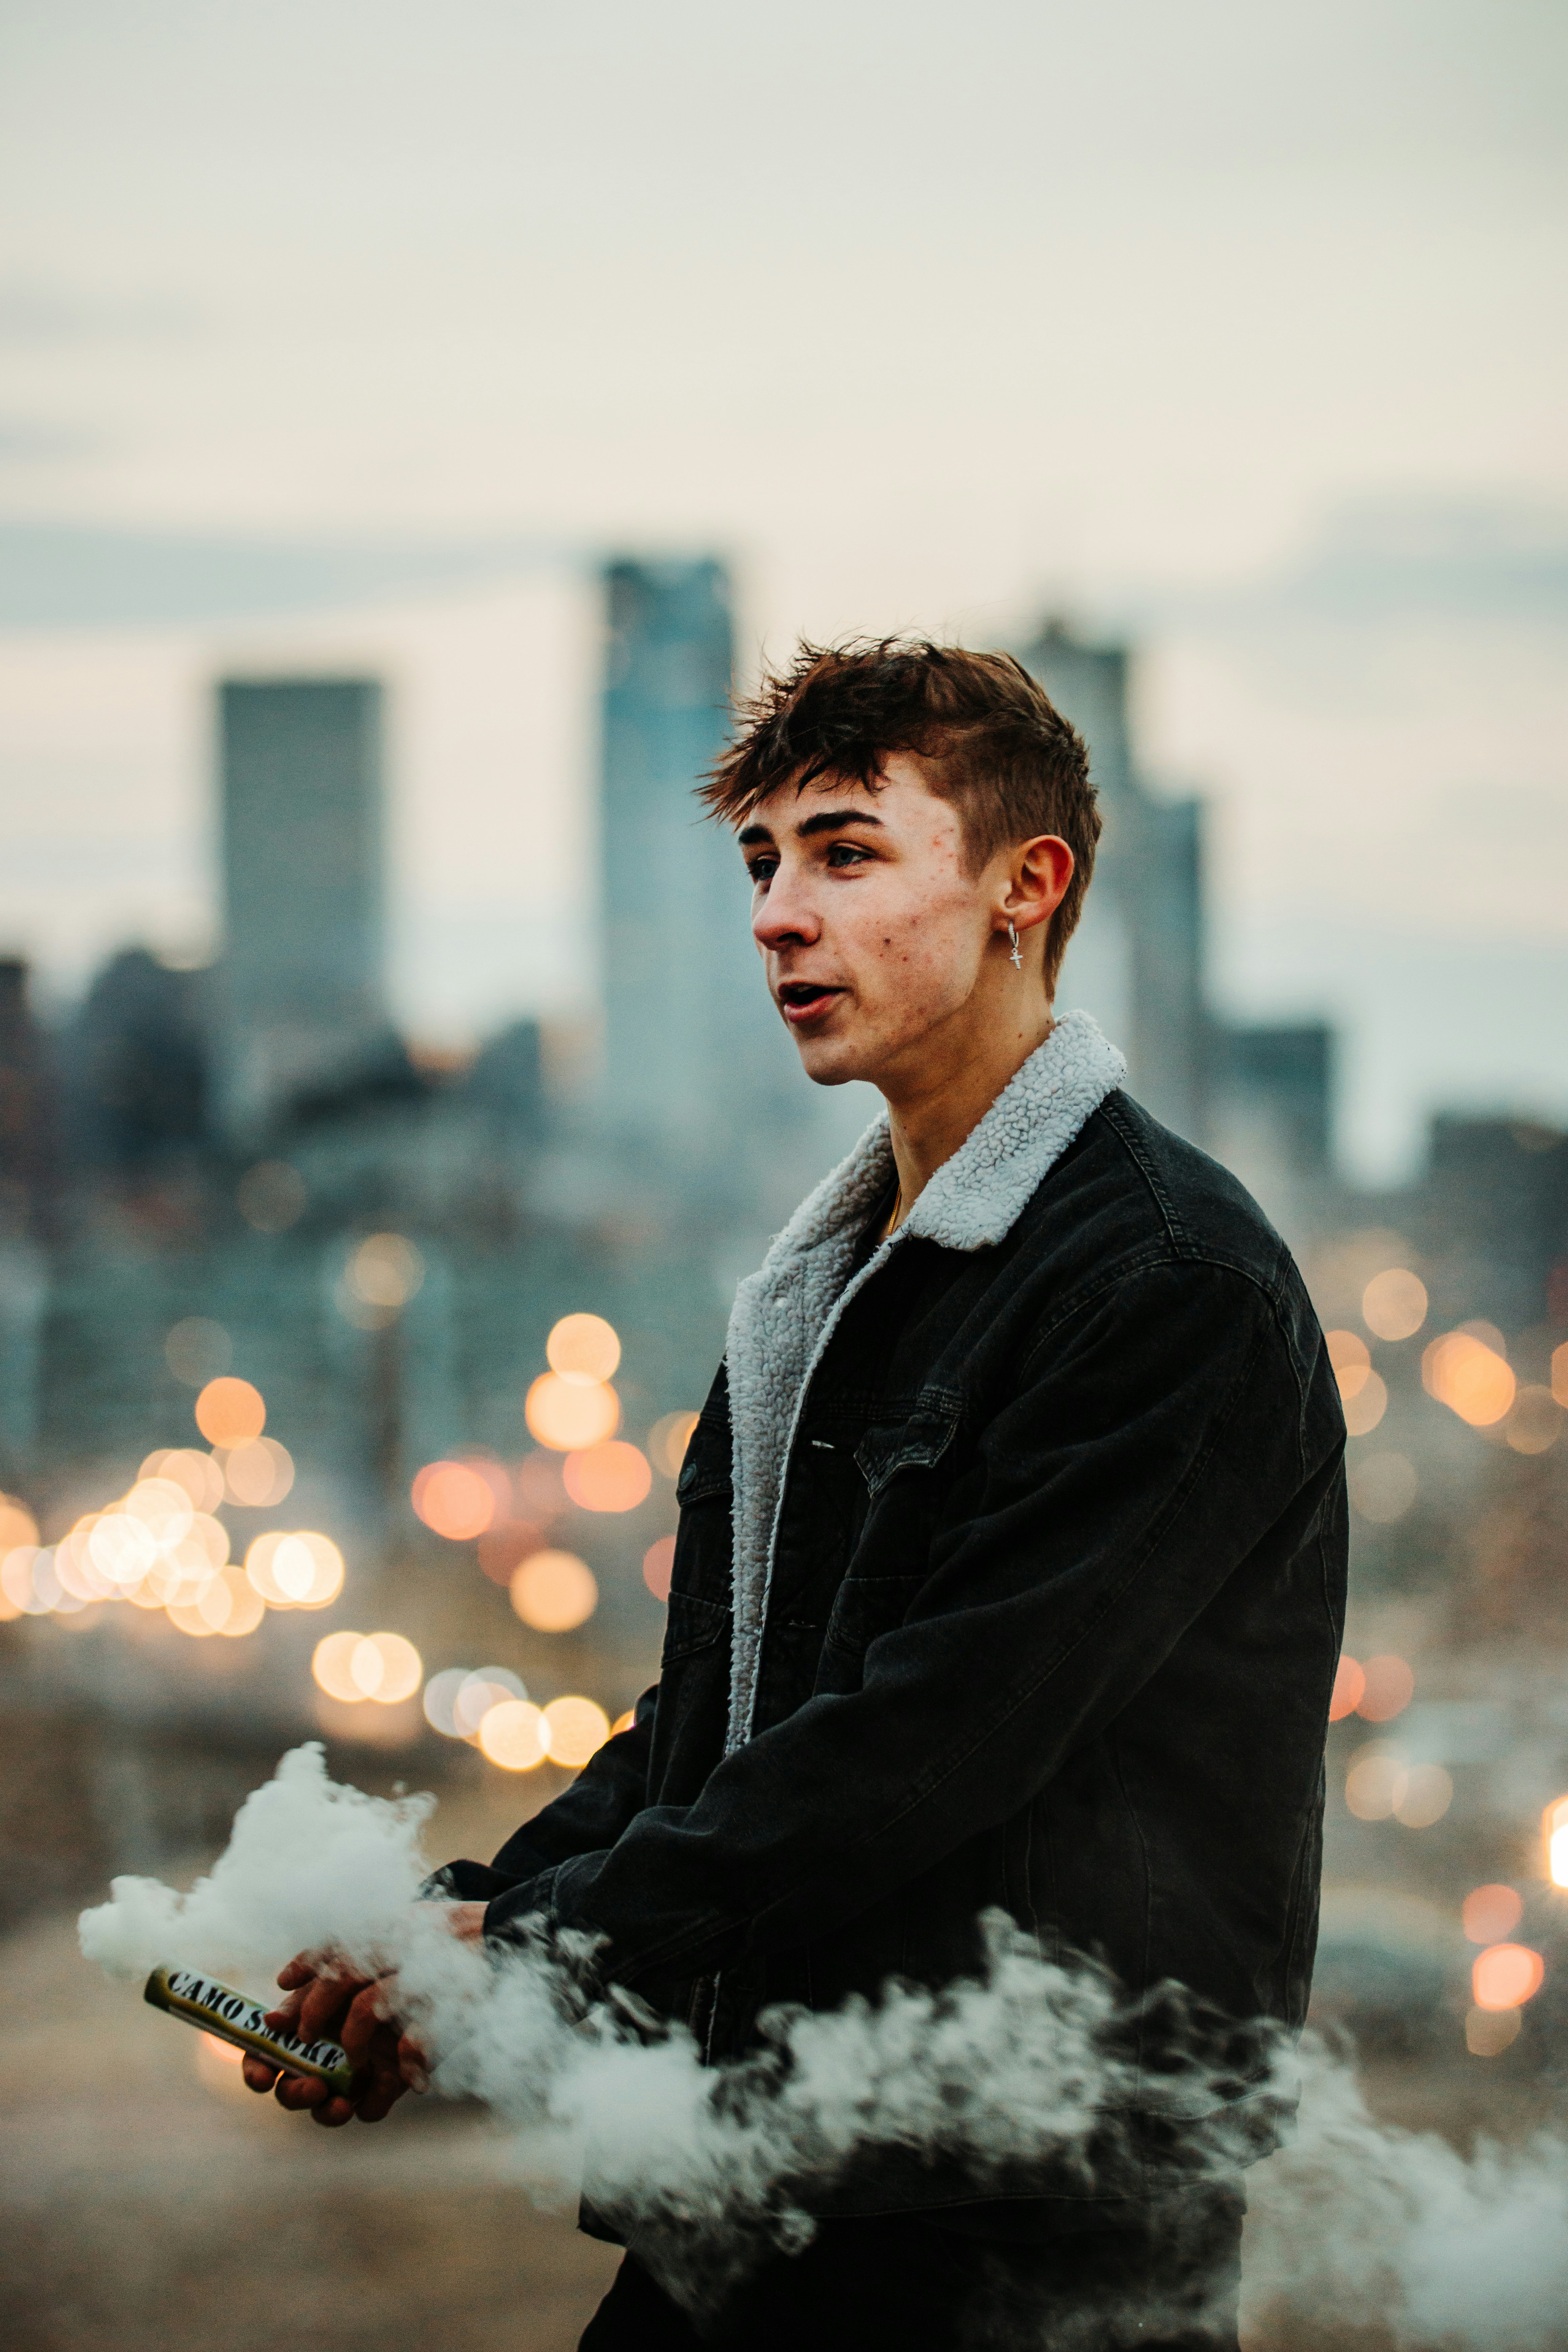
(327, 2001)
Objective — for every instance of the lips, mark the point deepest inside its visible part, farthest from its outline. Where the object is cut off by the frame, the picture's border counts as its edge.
(801, 1001)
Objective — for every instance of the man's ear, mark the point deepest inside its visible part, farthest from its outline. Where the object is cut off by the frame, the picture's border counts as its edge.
(1038, 874)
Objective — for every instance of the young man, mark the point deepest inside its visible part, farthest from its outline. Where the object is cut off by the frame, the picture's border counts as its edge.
(1011, 1564)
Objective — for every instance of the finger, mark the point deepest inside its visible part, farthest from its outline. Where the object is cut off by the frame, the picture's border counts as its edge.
(413, 2065)
(287, 2011)
(297, 2092)
(298, 1970)
(257, 2075)
(379, 2097)
(335, 2112)
(324, 2003)
(369, 2008)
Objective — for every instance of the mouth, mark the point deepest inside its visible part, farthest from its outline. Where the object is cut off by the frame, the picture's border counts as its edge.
(803, 1001)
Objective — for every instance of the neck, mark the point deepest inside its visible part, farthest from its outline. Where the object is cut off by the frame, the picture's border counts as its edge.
(938, 1108)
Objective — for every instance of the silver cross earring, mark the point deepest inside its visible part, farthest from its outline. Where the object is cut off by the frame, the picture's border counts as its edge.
(1015, 958)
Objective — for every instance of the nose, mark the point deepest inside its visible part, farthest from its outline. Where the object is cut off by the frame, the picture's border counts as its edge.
(783, 915)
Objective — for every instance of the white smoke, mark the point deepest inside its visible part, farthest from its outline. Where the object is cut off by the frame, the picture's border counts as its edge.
(1352, 2221)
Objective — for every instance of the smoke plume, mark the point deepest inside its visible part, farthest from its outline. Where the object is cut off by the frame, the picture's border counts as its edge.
(1026, 2067)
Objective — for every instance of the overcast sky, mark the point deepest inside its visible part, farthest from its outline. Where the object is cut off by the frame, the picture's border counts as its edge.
(925, 316)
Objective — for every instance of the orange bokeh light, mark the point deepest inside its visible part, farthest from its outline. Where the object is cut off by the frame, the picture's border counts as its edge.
(568, 1416)
(1351, 1359)
(455, 1499)
(576, 1728)
(229, 1412)
(555, 1591)
(1394, 1304)
(658, 1566)
(1490, 1913)
(1463, 1371)
(1350, 1682)
(610, 1478)
(1505, 1975)
(1389, 1687)
(582, 1348)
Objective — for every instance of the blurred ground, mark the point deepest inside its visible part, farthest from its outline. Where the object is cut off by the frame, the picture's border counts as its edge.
(149, 2203)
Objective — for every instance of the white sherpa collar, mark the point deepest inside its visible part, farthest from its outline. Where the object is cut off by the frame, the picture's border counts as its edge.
(785, 1313)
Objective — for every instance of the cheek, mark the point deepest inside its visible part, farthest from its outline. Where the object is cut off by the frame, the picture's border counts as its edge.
(925, 953)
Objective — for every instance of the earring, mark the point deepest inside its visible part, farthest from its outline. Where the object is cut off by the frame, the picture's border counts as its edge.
(1014, 959)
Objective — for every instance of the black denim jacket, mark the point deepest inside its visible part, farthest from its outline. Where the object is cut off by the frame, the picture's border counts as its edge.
(1056, 1602)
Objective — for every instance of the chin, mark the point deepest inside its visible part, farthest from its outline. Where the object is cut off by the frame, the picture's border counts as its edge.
(828, 1061)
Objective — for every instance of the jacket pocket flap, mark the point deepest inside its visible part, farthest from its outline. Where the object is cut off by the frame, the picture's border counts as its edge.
(693, 1624)
(912, 1444)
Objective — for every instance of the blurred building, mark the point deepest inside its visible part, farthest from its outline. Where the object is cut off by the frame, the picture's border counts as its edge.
(702, 1087)
(1136, 960)
(302, 999)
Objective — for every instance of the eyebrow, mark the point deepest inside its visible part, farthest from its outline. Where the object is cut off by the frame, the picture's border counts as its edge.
(826, 821)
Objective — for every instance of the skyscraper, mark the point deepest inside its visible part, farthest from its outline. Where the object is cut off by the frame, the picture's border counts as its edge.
(302, 996)
(696, 1064)
(1136, 962)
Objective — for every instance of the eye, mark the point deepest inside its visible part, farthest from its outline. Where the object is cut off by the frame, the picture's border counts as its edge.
(762, 867)
(847, 853)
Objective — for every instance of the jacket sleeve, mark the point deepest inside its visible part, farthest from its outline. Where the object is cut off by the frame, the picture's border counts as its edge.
(602, 1801)
(1157, 1438)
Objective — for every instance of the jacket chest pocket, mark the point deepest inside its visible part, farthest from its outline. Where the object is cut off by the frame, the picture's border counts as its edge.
(700, 1572)
(917, 1442)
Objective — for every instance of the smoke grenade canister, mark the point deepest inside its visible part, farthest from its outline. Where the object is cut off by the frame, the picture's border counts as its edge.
(231, 2016)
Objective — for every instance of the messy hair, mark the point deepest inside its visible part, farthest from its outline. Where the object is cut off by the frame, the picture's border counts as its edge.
(986, 736)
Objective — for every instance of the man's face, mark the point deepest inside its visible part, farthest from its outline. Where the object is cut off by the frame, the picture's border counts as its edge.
(875, 938)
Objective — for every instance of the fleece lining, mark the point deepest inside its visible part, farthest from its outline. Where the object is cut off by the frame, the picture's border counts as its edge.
(786, 1313)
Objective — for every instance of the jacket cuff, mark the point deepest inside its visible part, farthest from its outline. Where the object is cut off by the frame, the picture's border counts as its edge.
(465, 1882)
(519, 1913)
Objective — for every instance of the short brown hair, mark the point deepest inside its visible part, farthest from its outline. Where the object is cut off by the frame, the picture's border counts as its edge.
(987, 736)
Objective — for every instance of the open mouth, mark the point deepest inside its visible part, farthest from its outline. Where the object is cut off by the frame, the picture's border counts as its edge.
(802, 1000)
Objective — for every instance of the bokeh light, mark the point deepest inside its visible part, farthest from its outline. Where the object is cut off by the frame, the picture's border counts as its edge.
(582, 1348)
(230, 1603)
(1352, 1361)
(1465, 1371)
(514, 1735)
(198, 1474)
(1366, 1407)
(1554, 1833)
(1393, 1305)
(1381, 1488)
(503, 1549)
(667, 1441)
(1505, 1976)
(1350, 1681)
(1424, 1798)
(1390, 1686)
(27, 1579)
(555, 1591)
(197, 1350)
(271, 1196)
(614, 1477)
(385, 1667)
(456, 1499)
(17, 1525)
(1490, 1913)
(1373, 1785)
(624, 1723)
(164, 1509)
(1535, 1420)
(1489, 2032)
(1560, 1374)
(576, 1728)
(332, 1663)
(122, 1549)
(297, 1569)
(230, 1412)
(540, 1493)
(385, 1271)
(568, 1416)
(658, 1566)
(486, 1687)
(257, 1475)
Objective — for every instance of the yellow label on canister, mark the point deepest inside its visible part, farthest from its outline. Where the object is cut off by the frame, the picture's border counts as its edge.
(233, 2017)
